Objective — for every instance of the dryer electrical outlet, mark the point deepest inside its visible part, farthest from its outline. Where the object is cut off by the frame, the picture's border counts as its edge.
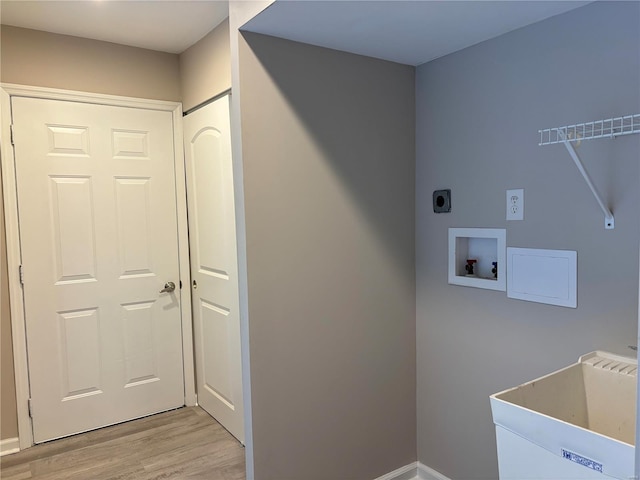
(515, 204)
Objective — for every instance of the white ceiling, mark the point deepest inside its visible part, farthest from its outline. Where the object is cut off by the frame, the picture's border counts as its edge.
(409, 32)
(164, 25)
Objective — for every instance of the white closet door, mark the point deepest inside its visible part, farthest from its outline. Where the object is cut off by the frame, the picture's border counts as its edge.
(97, 206)
(214, 266)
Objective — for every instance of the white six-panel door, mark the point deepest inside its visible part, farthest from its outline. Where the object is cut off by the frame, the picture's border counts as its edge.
(97, 211)
(214, 268)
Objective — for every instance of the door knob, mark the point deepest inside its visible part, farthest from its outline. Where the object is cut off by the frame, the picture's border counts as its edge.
(168, 287)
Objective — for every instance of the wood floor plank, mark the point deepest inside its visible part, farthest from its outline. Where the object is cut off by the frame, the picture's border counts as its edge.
(16, 472)
(184, 443)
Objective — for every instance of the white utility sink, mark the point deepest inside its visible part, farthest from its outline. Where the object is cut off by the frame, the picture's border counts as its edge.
(576, 423)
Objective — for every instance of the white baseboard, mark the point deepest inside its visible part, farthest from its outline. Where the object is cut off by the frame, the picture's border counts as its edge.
(428, 473)
(413, 471)
(9, 445)
(408, 472)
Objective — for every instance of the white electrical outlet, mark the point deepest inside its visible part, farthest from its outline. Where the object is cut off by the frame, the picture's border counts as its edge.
(515, 204)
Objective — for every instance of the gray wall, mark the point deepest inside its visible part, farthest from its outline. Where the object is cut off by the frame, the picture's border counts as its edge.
(43, 59)
(205, 67)
(329, 163)
(478, 112)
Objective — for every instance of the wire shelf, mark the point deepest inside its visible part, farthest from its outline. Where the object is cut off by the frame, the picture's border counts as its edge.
(609, 128)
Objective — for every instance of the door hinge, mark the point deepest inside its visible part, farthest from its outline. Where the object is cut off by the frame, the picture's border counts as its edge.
(21, 273)
(29, 407)
(11, 129)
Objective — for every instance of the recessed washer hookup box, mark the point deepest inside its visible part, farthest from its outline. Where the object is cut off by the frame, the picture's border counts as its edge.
(576, 423)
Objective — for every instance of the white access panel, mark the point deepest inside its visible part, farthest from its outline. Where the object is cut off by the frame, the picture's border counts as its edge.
(543, 276)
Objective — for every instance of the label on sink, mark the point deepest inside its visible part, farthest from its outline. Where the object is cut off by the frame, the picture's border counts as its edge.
(584, 461)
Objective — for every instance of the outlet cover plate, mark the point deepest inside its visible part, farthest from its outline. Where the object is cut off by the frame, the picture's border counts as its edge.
(515, 204)
(442, 201)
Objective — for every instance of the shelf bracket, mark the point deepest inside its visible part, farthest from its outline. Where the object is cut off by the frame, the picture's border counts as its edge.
(609, 222)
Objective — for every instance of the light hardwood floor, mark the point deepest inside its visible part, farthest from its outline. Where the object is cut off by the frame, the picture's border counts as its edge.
(181, 444)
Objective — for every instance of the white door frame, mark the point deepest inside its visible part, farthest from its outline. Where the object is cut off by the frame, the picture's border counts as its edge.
(25, 432)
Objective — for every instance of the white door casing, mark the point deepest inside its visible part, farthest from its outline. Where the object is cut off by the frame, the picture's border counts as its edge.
(214, 264)
(97, 199)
